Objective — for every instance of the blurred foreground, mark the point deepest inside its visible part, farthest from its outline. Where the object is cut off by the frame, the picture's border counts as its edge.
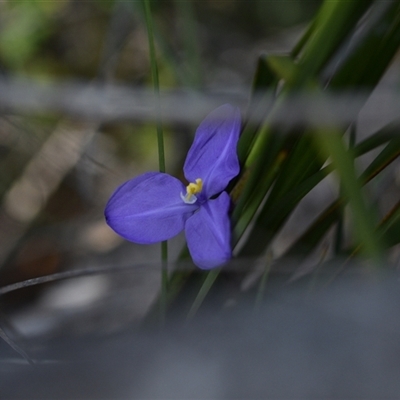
(335, 341)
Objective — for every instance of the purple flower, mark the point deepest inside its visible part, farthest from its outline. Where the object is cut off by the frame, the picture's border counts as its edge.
(155, 206)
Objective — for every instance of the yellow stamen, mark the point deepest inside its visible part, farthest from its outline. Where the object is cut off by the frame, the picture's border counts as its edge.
(194, 188)
(191, 190)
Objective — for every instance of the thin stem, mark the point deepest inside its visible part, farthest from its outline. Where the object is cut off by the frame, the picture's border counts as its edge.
(156, 84)
(205, 288)
(339, 234)
(9, 341)
(15, 347)
(189, 36)
(263, 283)
(161, 152)
(164, 282)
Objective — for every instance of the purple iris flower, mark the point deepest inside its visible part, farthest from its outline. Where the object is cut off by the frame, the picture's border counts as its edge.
(156, 206)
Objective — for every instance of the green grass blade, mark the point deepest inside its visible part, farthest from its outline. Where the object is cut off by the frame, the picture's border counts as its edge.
(264, 85)
(204, 290)
(283, 67)
(243, 214)
(304, 38)
(377, 139)
(389, 228)
(192, 54)
(335, 21)
(363, 223)
(161, 152)
(313, 235)
(166, 49)
(385, 157)
(272, 218)
(365, 64)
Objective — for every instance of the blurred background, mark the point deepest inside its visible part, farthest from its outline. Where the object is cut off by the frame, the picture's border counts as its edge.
(58, 169)
(77, 119)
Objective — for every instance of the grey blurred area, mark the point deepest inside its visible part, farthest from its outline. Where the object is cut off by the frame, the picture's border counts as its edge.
(130, 104)
(340, 340)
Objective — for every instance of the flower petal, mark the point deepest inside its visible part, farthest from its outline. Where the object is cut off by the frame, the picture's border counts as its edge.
(213, 156)
(149, 208)
(208, 233)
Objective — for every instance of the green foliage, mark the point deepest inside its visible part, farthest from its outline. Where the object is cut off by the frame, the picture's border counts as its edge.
(306, 149)
(25, 26)
(347, 47)
(345, 51)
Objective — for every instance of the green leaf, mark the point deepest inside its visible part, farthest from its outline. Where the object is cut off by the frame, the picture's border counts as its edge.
(385, 157)
(273, 217)
(313, 235)
(283, 67)
(371, 51)
(264, 77)
(249, 202)
(377, 139)
(363, 223)
(303, 159)
(390, 227)
(264, 85)
(335, 21)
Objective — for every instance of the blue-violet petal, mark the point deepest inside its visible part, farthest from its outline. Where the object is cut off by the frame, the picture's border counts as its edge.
(208, 233)
(213, 154)
(149, 208)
